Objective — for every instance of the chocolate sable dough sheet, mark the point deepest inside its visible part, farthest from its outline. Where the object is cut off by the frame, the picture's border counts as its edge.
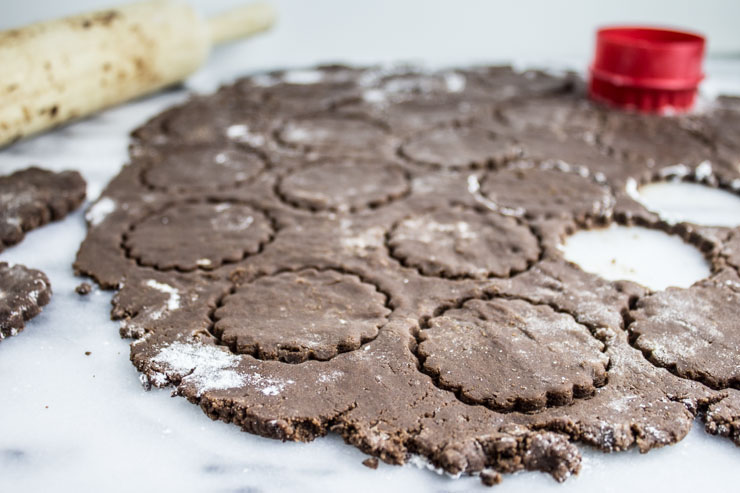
(29, 199)
(374, 252)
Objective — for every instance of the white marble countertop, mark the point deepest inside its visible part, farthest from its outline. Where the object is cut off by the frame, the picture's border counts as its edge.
(72, 422)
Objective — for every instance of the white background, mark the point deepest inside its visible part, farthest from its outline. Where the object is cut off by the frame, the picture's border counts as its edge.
(70, 422)
(446, 31)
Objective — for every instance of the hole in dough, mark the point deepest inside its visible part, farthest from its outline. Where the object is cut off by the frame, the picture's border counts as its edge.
(690, 202)
(649, 257)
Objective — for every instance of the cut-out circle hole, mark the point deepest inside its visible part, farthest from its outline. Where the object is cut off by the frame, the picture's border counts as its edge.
(646, 256)
(679, 201)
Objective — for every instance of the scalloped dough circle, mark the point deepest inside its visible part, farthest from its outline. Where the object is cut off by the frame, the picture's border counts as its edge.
(201, 167)
(459, 147)
(559, 114)
(344, 186)
(511, 355)
(336, 134)
(679, 201)
(649, 257)
(535, 192)
(296, 316)
(463, 243)
(693, 332)
(183, 236)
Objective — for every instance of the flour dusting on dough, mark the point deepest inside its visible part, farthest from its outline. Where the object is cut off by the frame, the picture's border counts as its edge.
(703, 171)
(303, 77)
(241, 133)
(173, 303)
(266, 385)
(364, 241)
(100, 210)
(454, 82)
(423, 463)
(374, 96)
(205, 367)
(630, 188)
(675, 171)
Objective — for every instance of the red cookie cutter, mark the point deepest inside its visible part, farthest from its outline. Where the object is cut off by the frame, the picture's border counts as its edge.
(646, 69)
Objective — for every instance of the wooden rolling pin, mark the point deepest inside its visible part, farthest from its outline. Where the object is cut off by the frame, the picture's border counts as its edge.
(55, 71)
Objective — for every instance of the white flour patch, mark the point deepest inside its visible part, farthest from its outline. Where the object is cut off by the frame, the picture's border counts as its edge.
(131, 329)
(330, 377)
(267, 385)
(473, 184)
(205, 367)
(623, 403)
(631, 189)
(241, 133)
(297, 134)
(704, 171)
(455, 82)
(303, 76)
(100, 210)
(369, 239)
(423, 463)
(427, 230)
(374, 96)
(173, 303)
(34, 295)
(231, 222)
(236, 131)
(675, 171)
(373, 76)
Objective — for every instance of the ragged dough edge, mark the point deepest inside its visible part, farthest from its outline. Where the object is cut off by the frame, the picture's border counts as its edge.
(31, 304)
(722, 418)
(193, 363)
(206, 368)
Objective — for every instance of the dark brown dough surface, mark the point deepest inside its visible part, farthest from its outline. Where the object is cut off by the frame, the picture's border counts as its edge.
(558, 114)
(344, 186)
(732, 249)
(388, 269)
(297, 316)
(32, 197)
(539, 192)
(186, 236)
(462, 243)
(654, 140)
(723, 417)
(458, 147)
(329, 134)
(197, 167)
(487, 350)
(694, 332)
(503, 83)
(23, 292)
